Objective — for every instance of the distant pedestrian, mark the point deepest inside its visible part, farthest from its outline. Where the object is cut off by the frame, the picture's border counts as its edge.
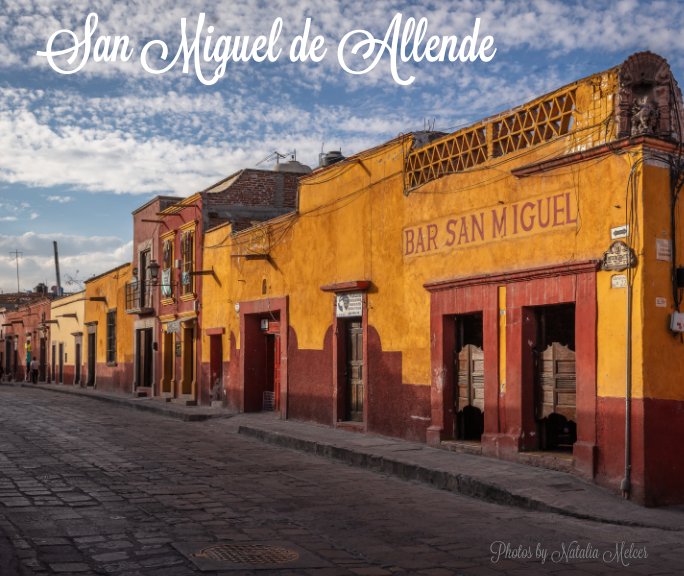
(34, 371)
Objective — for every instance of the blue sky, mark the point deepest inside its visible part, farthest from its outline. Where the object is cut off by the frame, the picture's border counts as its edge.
(79, 152)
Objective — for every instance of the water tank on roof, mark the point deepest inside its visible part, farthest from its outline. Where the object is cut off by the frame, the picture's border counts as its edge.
(329, 158)
(292, 167)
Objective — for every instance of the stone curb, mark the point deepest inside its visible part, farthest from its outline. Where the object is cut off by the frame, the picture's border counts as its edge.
(463, 484)
(144, 405)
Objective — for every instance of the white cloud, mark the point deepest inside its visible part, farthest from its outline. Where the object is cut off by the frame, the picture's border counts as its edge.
(80, 257)
(60, 199)
(139, 134)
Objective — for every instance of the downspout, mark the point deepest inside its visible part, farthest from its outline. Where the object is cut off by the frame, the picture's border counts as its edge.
(626, 484)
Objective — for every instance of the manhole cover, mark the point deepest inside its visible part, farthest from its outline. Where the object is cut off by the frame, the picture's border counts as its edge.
(248, 554)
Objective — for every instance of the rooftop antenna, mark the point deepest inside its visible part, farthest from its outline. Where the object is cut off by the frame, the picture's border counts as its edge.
(16, 255)
(277, 155)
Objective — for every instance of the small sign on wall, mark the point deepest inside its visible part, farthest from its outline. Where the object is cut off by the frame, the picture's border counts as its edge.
(663, 249)
(661, 302)
(618, 281)
(349, 305)
(619, 232)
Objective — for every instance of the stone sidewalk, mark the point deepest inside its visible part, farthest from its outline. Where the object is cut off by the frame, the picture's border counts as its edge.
(490, 479)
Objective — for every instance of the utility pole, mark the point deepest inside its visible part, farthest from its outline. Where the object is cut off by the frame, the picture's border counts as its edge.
(16, 255)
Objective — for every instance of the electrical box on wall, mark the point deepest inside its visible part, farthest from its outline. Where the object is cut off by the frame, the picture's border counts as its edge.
(677, 322)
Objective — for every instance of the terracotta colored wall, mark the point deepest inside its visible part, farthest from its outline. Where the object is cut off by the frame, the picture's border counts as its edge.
(26, 322)
(310, 382)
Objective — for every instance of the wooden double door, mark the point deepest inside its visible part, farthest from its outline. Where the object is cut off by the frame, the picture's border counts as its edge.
(144, 360)
(469, 377)
(555, 380)
(354, 394)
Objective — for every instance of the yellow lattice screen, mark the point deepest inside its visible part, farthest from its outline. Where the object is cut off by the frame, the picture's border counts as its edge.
(537, 122)
(461, 150)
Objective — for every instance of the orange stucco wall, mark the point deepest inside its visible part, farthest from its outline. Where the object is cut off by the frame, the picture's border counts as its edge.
(109, 290)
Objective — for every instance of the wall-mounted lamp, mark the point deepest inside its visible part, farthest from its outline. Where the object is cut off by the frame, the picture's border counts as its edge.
(153, 269)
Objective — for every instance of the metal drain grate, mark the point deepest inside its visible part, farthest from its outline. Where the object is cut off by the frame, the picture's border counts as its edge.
(248, 554)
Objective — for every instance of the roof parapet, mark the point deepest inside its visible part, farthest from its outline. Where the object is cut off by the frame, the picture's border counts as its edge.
(639, 97)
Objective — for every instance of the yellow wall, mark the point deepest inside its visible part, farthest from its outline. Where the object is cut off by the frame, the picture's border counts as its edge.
(112, 286)
(662, 379)
(65, 327)
(218, 304)
(354, 218)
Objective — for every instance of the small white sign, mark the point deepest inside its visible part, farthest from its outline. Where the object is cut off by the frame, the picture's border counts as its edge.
(663, 249)
(619, 232)
(677, 322)
(618, 281)
(349, 305)
(661, 302)
(173, 327)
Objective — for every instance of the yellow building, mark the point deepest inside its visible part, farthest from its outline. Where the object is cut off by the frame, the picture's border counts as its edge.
(108, 331)
(67, 317)
(486, 288)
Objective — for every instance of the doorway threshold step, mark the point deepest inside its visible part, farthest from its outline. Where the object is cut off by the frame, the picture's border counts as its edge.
(184, 402)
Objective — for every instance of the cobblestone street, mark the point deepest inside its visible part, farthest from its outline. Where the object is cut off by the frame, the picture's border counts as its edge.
(88, 487)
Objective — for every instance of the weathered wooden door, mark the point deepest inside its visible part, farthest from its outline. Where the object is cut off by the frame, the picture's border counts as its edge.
(273, 363)
(469, 399)
(92, 342)
(470, 377)
(167, 384)
(42, 361)
(61, 363)
(354, 347)
(77, 368)
(216, 366)
(53, 364)
(556, 382)
(144, 368)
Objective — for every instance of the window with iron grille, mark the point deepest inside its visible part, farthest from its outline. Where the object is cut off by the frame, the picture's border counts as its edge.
(111, 336)
(187, 256)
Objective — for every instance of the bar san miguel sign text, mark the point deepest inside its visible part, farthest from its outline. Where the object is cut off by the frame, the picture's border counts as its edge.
(500, 222)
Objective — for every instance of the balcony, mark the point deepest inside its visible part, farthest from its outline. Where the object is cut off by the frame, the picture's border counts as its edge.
(139, 298)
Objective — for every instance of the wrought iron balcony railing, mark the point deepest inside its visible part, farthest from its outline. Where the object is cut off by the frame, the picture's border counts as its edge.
(139, 297)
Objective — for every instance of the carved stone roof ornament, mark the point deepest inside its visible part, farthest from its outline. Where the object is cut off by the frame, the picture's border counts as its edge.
(646, 98)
